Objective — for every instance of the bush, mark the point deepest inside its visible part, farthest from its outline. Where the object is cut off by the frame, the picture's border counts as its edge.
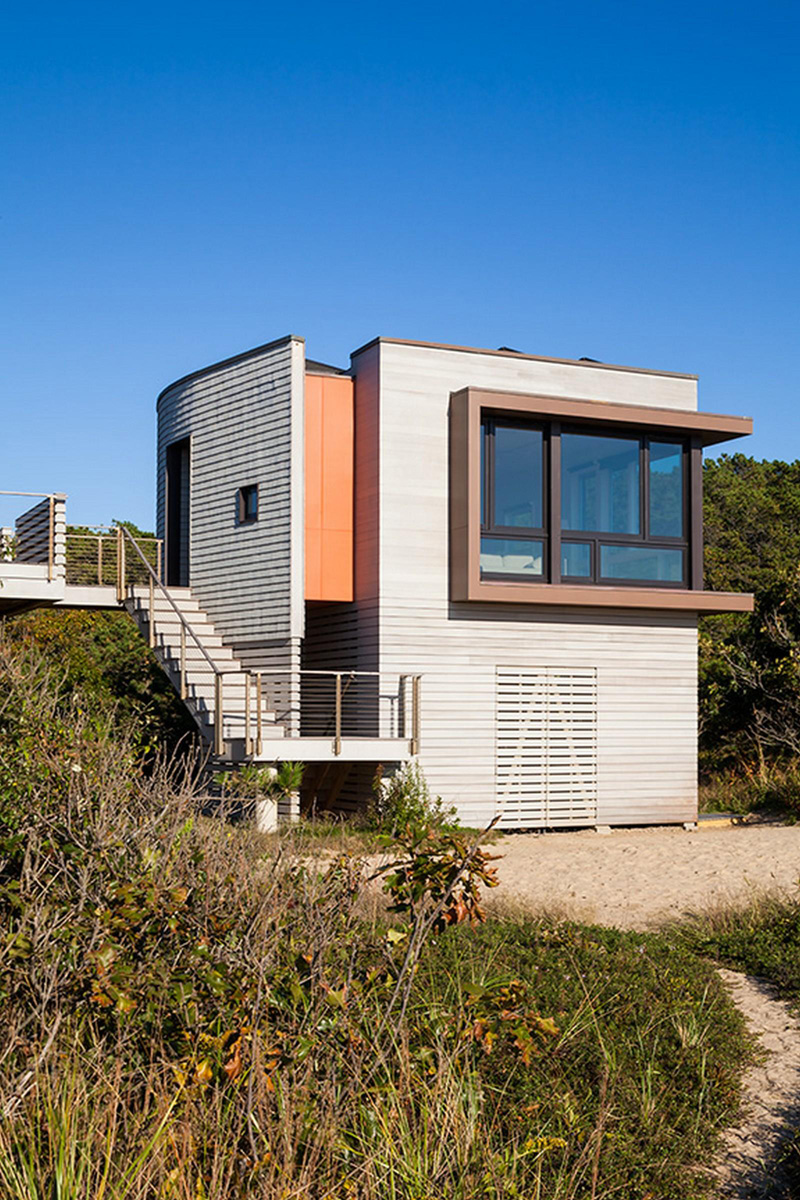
(404, 799)
(188, 1015)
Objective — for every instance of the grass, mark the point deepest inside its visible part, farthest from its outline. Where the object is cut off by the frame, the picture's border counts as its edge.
(192, 1011)
(773, 788)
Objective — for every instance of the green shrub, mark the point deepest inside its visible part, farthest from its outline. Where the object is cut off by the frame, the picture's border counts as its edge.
(404, 799)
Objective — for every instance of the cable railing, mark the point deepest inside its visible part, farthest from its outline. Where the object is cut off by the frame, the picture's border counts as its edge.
(255, 705)
(93, 556)
(333, 705)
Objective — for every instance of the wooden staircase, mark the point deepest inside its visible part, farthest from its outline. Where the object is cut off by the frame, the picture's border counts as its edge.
(210, 667)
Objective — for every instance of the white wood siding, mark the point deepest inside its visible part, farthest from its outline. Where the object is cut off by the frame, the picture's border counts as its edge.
(645, 661)
(245, 421)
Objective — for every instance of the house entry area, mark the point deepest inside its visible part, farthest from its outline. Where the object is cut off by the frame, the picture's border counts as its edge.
(177, 513)
(546, 756)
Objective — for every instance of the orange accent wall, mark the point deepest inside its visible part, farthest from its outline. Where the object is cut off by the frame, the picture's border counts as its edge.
(329, 487)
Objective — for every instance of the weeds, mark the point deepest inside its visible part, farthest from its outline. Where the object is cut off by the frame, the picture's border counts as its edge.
(194, 1011)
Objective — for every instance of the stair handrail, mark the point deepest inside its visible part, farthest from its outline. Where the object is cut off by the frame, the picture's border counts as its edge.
(155, 582)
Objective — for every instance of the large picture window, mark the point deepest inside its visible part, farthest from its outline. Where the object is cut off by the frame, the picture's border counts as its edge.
(582, 506)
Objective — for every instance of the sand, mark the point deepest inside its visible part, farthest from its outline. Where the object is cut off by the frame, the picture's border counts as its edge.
(640, 878)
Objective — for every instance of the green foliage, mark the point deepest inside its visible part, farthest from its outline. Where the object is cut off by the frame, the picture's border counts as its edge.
(761, 938)
(252, 781)
(103, 657)
(404, 799)
(751, 514)
(437, 873)
(601, 1055)
(188, 1015)
(750, 666)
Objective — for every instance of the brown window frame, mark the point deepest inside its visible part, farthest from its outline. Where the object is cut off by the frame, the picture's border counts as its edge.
(692, 428)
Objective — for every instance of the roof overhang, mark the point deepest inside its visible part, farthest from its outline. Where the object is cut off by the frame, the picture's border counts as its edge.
(709, 428)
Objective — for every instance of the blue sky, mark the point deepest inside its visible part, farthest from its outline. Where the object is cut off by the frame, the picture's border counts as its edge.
(181, 182)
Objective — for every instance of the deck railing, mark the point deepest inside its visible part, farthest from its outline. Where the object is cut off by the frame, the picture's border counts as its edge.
(333, 704)
(37, 535)
(313, 704)
(96, 557)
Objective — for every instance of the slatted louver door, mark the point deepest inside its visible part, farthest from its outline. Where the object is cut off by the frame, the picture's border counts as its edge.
(546, 746)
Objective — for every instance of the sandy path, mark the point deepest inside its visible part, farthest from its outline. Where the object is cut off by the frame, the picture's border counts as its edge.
(772, 1097)
(639, 878)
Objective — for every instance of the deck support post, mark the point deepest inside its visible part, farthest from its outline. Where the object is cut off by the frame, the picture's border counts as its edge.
(415, 690)
(151, 615)
(337, 739)
(248, 741)
(218, 717)
(259, 743)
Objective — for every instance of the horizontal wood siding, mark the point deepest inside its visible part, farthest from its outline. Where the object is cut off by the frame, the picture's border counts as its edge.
(245, 421)
(646, 662)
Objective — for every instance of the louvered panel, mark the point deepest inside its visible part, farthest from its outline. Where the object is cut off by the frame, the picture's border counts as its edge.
(546, 765)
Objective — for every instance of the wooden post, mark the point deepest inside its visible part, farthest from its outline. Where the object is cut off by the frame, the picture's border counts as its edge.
(151, 614)
(415, 689)
(120, 568)
(248, 741)
(50, 541)
(259, 744)
(219, 744)
(100, 561)
(183, 661)
(337, 740)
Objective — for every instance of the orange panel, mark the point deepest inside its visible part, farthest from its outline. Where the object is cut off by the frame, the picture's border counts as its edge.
(329, 487)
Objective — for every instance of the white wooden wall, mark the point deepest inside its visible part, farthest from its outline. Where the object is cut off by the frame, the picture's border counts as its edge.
(245, 421)
(646, 663)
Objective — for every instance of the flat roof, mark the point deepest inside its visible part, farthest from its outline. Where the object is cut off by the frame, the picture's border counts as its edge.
(571, 362)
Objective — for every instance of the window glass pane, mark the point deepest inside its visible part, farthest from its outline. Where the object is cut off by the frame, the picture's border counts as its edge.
(511, 556)
(484, 501)
(666, 489)
(599, 483)
(649, 563)
(518, 475)
(576, 559)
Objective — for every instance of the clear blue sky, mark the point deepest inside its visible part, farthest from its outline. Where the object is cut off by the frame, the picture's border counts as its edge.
(181, 182)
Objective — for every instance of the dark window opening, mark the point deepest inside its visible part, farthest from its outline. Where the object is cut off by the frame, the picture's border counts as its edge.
(248, 504)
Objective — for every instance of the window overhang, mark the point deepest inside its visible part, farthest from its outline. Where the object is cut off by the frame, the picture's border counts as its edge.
(470, 405)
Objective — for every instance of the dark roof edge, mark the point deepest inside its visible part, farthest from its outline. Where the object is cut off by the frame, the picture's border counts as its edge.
(313, 367)
(570, 362)
(229, 362)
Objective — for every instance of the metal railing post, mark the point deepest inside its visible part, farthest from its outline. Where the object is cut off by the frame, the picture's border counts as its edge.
(415, 690)
(218, 717)
(183, 663)
(159, 544)
(151, 615)
(337, 737)
(248, 741)
(100, 561)
(259, 743)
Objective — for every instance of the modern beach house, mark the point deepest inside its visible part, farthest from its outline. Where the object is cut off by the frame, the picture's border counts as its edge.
(485, 560)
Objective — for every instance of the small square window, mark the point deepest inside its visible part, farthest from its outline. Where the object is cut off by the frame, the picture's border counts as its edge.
(248, 504)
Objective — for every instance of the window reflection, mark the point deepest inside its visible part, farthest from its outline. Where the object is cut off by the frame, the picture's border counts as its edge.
(650, 564)
(666, 489)
(599, 483)
(511, 556)
(518, 471)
